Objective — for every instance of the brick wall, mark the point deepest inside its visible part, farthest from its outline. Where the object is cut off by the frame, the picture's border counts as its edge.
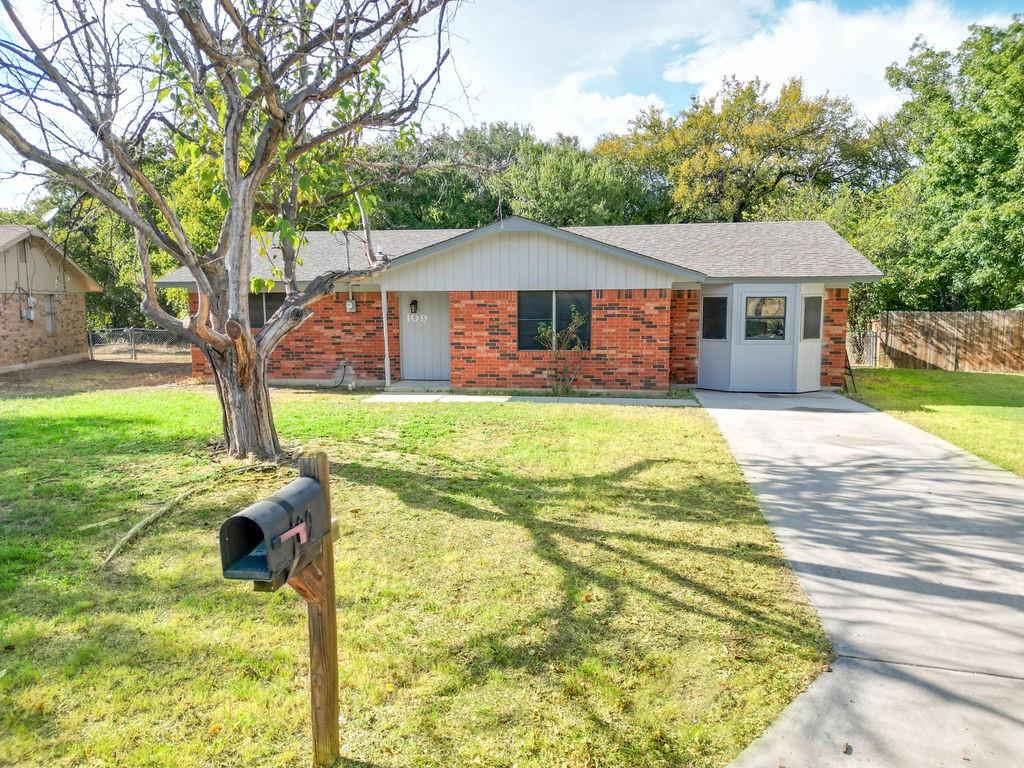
(833, 337)
(629, 340)
(23, 342)
(684, 337)
(322, 345)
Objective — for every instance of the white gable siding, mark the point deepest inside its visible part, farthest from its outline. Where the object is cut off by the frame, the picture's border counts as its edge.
(523, 261)
(41, 272)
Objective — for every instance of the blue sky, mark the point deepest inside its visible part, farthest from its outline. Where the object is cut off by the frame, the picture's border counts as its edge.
(586, 67)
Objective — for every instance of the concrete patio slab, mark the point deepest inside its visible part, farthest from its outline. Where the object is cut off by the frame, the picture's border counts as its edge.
(912, 551)
(432, 397)
(405, 397)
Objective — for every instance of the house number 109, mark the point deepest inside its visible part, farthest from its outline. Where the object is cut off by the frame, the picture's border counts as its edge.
(419, 318)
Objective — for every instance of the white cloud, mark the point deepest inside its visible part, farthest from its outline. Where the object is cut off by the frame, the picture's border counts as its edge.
(845, 53)
(570, 66)
(535, 61)
(568, 107)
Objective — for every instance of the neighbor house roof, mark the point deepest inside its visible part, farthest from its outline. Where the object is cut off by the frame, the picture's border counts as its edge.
(12, 234)
(771, 249)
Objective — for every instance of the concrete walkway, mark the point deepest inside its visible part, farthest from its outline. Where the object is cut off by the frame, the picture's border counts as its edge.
(441, 397)
(912, 551)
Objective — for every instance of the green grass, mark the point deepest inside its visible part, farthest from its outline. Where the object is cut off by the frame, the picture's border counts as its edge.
(980, 412)
(517, 586)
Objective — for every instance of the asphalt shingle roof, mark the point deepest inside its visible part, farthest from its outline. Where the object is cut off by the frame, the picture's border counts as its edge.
(744, 249)
(783, 249)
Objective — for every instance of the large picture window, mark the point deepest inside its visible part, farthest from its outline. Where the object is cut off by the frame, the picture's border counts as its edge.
(539, 310)
(766, 318)
(262, 307)
(812, 317)
(714, 318)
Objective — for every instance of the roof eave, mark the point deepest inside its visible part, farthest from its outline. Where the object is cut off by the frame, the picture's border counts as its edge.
(190, 285)
(794, 278)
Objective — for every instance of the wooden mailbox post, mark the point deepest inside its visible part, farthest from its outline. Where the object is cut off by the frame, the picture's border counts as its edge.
(315, 583)
(288, 538)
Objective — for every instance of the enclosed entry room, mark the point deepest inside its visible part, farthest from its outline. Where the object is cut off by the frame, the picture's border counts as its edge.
(761, 337)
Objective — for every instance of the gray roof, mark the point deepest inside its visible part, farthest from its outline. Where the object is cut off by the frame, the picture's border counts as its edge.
(745, 249)
(770, 249)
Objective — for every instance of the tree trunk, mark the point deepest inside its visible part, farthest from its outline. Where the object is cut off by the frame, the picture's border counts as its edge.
(245, 406)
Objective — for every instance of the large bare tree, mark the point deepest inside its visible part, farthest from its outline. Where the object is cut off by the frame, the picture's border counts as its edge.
(253, 89)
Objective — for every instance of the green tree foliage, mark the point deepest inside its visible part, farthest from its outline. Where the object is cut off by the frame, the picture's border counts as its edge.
(933, 195)
(467, 179)
(940, 206)
(740, 149)
(965, 114)
(563, 185)
(454, 184)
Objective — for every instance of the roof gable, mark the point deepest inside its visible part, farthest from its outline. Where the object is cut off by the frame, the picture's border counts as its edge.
(12, 234)
(520, 224)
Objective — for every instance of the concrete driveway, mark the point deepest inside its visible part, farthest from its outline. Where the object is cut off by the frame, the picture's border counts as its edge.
(912, 551)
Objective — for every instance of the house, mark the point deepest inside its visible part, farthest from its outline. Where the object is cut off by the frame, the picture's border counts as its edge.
(42, 301)
(759, 306)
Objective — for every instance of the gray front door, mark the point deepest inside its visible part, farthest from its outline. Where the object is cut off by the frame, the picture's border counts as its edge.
(424, 336)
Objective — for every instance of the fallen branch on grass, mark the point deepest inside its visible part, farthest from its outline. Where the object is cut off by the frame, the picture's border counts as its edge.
(147, 521)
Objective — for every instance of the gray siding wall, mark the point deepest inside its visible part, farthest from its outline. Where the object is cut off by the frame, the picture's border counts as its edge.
(523, 261)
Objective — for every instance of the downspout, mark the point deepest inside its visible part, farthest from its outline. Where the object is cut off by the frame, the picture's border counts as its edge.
(387, 351)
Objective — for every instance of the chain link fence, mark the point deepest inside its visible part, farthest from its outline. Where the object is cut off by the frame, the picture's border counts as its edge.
(862, 348)
(132, 342)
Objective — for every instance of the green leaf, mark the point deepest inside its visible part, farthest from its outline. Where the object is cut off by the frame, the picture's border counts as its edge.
(261, 285)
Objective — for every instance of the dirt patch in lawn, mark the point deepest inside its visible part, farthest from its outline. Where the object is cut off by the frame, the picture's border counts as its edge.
(102, 373)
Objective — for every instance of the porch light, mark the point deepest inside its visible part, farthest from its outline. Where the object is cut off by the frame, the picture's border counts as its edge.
(413, 306)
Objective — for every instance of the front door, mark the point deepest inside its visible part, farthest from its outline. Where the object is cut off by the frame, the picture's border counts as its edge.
(424, 336)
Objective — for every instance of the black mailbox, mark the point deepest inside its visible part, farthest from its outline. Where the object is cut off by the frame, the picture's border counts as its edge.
(277, 536)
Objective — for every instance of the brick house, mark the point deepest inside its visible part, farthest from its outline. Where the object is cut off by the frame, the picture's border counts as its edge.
(757, 306)
(42, 301)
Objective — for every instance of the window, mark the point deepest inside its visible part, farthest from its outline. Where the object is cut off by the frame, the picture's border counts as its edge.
(766, 318)
(48, 316)
(714, 317)
(539, 309)
(262, 307)
(812, 317)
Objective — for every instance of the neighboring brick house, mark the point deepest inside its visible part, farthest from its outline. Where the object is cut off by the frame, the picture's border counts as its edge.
(755, 306)
(42, 301)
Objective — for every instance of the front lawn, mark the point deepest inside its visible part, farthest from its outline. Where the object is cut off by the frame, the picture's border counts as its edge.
(981, 412)
(518, 585)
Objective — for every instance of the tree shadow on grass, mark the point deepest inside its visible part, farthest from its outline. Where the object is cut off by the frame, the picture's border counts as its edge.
(647, 569)
(631, 549)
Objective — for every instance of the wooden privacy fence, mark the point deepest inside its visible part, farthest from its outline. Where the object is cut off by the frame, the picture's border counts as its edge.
(952, 341)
